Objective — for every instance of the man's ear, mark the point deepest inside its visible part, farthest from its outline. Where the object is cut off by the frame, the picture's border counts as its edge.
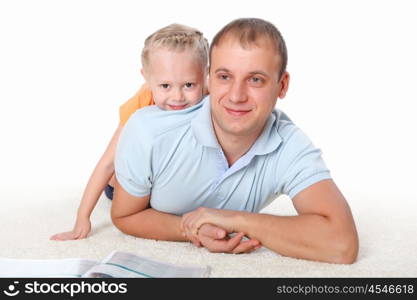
(283, 85)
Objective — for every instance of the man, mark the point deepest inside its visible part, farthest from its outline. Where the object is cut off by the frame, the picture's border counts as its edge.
(204, 172)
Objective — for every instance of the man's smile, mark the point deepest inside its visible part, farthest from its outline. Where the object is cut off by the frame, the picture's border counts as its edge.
(237, 112)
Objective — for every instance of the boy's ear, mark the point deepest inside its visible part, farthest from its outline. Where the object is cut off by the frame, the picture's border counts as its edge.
(144, 74)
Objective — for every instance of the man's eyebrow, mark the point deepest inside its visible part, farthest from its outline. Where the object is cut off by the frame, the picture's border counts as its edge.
(259, 72)
(222, 70)
(256, 72)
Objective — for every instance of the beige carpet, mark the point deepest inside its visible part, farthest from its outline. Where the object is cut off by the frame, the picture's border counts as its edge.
(388, 238)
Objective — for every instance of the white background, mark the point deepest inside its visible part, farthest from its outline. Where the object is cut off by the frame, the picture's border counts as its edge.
(66, 66)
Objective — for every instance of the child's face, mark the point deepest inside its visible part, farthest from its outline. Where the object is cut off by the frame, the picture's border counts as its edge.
(176, 79)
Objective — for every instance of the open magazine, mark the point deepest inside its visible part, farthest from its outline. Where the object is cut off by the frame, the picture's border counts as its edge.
(117, 264)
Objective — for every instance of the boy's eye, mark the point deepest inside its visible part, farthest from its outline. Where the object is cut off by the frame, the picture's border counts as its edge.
(164, 85)
(189, 85)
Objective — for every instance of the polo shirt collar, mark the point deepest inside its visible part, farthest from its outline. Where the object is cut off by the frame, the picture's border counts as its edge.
(269, 140)
(203, 130)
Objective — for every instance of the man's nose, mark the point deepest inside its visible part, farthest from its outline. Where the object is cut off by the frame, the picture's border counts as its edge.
(237, 92)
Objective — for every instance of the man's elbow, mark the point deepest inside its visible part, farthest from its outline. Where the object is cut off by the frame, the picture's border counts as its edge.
(346, 250)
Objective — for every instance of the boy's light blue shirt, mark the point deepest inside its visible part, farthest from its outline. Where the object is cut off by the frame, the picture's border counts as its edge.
(175, 157)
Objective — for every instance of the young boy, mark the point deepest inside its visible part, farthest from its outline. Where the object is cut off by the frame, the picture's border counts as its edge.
(174, 65)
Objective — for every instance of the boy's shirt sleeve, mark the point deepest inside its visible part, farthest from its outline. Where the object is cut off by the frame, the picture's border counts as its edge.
(301, 164)
(142, 98)
(133, 158)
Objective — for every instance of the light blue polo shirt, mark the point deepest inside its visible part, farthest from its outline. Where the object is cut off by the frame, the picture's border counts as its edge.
(175, 157)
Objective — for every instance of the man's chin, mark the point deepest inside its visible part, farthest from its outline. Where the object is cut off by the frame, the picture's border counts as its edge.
(233, 127)
(237, 131)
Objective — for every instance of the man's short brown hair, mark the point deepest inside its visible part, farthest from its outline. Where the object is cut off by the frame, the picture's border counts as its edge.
(248, 31)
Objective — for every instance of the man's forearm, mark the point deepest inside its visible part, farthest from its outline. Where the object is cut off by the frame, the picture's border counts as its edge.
(151, 224)
(307, 236)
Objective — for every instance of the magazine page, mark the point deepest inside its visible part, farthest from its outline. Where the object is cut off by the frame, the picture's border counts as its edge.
(122, 264)
(111, 271)
(69, 267)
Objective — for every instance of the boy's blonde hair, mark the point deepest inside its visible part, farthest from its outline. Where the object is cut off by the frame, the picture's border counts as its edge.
(176, 37)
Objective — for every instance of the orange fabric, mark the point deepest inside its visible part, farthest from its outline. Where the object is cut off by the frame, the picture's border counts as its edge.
(141, 99)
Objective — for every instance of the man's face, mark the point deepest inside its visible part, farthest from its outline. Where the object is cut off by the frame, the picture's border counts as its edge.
(244, 87)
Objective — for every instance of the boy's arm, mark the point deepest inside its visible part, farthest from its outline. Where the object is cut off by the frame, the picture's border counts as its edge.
(101, 175)
(324, 230)
(104, 169)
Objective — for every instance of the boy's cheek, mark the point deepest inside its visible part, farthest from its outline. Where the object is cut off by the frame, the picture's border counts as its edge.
(195, 96)
(158, 99)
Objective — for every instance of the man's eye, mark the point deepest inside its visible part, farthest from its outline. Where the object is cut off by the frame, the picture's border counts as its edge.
(256, 81)
(189, 85)
(164, 85)
(223, 77)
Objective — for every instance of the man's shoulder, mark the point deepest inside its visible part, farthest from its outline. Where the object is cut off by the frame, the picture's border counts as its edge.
(153, 121)
(283, 124)
(288, 130)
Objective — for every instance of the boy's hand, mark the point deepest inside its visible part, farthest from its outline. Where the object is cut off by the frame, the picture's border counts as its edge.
(81, 229)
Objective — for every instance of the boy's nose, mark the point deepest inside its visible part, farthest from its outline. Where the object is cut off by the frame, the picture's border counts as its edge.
(178, 96)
